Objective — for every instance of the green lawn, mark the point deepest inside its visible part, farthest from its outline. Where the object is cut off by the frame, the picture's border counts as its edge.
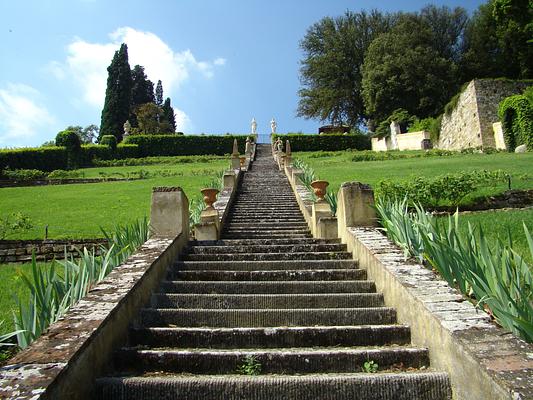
(339, 168)
(77, 211)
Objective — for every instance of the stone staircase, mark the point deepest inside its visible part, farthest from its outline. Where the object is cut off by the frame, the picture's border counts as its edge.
(269, 297)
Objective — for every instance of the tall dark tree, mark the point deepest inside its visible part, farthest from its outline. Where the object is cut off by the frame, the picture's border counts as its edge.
(117, 96)
(168, 115)
(403, 70)
(142, 90)
(330, 74)
(159, 94)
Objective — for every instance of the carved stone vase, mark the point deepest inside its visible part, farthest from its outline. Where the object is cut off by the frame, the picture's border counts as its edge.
(210, 196)
(319, 188)
(242, 160)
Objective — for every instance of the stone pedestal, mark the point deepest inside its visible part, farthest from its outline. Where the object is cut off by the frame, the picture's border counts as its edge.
(229, 179)
(209, 226)
(235, 162)
(169, 214)
(355, 206)
(327, 228)
(320, 209)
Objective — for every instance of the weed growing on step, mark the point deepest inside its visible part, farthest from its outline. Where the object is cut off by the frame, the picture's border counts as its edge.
(249, 366)
(370, 367)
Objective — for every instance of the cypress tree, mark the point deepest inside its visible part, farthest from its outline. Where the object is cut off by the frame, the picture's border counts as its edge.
(159, 94)
(142, 92)
(117, 95)
(168, 114)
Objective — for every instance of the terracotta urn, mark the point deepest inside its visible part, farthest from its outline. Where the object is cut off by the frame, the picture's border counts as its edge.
(210, 196)
(320, 189)
(242, 160)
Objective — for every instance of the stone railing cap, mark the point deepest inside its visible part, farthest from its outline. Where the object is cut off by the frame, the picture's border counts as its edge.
(166, 189)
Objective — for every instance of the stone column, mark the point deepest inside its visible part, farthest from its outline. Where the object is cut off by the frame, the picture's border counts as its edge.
(320, 212)
(355, 207)
(394, 131)
(169, 215)
(235, 162)
(229, 179)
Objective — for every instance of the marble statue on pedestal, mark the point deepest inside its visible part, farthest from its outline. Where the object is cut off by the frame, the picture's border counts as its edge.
(273, 125)
(254, 126)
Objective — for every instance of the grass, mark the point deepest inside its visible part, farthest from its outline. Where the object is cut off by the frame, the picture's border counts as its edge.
(339, 168)
(11, 285)
(507, 220)
(78, 211)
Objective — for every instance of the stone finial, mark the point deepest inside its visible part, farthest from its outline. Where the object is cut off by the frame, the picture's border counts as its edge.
(288, 148)
(235, 152)
(355, 206)
(169, 215)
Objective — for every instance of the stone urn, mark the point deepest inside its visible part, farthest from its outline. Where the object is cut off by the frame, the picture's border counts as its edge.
(242, 160)
(210, 196)
(320, 189)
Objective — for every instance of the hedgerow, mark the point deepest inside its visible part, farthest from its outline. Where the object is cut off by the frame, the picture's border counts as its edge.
(330, 142)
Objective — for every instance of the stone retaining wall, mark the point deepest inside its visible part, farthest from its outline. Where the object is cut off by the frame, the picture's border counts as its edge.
(20, 251)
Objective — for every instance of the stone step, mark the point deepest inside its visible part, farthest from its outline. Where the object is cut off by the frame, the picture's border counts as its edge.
(282, 226)
(252, 248)
(234, 318)
(262, 265)
(264, 301)
(338, 255)
(269, 287)
(263, 233)
(261, 242)
(241, 236)
(387, 386)
(280, 275)
(261, 220)
(273, 361)
(306, 336)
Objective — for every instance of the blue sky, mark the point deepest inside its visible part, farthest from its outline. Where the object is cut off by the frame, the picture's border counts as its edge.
(221, 62)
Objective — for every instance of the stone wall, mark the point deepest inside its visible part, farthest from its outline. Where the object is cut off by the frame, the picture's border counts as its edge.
(12, 251)
(470, 123)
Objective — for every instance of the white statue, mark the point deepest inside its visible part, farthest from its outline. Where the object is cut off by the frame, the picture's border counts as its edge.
(127, 128)
(254, 126)
(273, 125)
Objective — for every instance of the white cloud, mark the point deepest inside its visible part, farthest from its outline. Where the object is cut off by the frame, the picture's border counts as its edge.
(87, 63)
(21, 115)
(183, 122)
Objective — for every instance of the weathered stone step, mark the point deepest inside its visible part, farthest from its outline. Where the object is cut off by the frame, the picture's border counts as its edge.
(280, 275)
(269, 287)
(304, 336)
(390, 386)
(233, 318)
(265, 236)
(295, 248)
(262, 265)
(261, 220)
(261, 242)
(339, 255)
(262, 301)
(264, 233)
(273, 361)
(237, 226)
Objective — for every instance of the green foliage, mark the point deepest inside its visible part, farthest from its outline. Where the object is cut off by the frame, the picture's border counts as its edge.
(43, 158)
(249, 366)
(307, 177)
(332, 142)
(402, 70)
(14, 223)
(370, 367)
(62, 174)
(334, 51)
(71, 141)
(169, 119)
(516, 114)
(156, 160)
(125, 151)
(117, 96)
(400, 116)
(183, 145)
(450, 188)
(492, 274)
(5, 340)
(159, 94)
(54, 292)
(142, 90)
(109, 140)
(23, 175)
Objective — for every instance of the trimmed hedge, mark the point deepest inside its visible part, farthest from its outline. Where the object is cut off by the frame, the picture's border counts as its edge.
(91, 151)
(186, 145)
(330, 142)
(124, 151)
(516, 115)
(41, 158)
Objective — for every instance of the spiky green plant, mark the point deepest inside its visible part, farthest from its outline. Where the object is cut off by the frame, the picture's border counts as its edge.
(5, 340)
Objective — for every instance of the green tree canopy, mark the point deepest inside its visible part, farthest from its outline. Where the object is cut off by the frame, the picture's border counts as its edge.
(403, 70)
(169, 117)
(118, 95)
(330, 74)
(159, 94)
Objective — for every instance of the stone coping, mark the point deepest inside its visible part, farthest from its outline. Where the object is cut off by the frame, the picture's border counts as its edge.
(483, 360)
(65, 360)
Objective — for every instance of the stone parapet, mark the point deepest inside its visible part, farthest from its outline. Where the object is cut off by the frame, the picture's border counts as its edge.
(484, 361)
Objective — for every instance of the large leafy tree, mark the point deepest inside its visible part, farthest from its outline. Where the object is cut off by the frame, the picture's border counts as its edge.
(168, 115)
(402, 69)
(330, 74)
(118, 95)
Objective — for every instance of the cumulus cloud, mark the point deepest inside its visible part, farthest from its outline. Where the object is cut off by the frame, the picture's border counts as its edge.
(22, 116)
(87, 62)
(183, 122)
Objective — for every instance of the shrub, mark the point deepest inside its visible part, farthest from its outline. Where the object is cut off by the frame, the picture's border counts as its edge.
(109, 140)
(185, 145)
(13, 223)
(62, 174)
(330, 142)
(23, 175)
(516, 115)
(399, 115)
(71, 141)
(91, 152)
(126, 151)
(43, 158)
